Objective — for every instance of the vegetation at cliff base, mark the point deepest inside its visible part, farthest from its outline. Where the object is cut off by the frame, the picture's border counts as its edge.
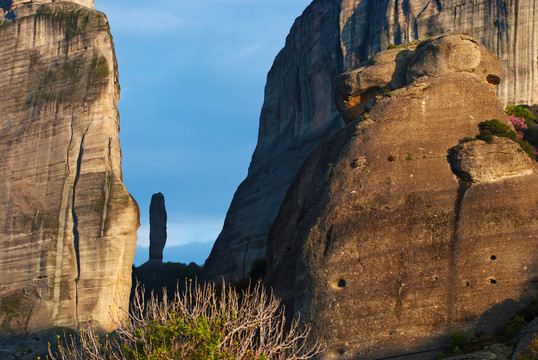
(203, 322)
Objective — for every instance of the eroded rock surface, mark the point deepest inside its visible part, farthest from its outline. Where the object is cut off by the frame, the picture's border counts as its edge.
(332, 37)
(384, 251)
(68, 225)
(479, 161)
(15, 3)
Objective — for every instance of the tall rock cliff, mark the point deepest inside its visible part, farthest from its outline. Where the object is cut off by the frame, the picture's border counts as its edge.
(385, 244)
(67, 223)
(333, 36)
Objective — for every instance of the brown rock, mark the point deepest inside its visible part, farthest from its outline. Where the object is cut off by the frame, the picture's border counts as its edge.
(332, 37)
(353, 89)
(479, 161)
(446, 54)
(388, 258)
(392, 69)
(68, 225)
(17, 3)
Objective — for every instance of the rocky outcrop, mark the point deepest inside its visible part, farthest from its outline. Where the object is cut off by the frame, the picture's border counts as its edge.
(157, 227)
(9, 5)
(68, 225)
(395, 68)
(496, 351)
(333, 36)
(478, 161)
(383, 249)
(16, 3)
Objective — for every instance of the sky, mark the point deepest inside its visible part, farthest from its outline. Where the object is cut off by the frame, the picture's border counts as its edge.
(192, 76)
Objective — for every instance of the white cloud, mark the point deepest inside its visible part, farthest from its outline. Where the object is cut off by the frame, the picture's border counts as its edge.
(182, 230)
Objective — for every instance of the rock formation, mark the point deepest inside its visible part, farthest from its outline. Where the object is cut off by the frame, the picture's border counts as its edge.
(333, 36)
(9, 5)
(157, 227)
(381, 246)
(68, 225)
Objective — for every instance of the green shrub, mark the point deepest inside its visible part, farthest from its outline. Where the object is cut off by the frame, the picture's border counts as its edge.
(514, 325)
(456, 345)
(489, 129)
(521, 113)
(202, 323)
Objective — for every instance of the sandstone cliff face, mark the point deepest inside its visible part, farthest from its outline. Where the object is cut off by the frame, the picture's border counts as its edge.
(333, 36)
(16, 3)
(68, 225)
(383, 249)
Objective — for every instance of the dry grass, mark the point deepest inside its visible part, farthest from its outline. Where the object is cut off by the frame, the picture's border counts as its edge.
(203, 322)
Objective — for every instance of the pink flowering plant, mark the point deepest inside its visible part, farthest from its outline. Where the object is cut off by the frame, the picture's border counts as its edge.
(519, 125)
(525, 124)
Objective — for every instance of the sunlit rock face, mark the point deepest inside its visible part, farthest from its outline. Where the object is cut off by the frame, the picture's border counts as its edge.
(333, 36)
(16, 3)
(67, 223)
(385, 244)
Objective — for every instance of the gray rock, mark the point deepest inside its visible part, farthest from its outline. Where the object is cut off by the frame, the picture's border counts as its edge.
(68, 229)
(526, 337)
(495, 351)
(157, 227)
(332, 37)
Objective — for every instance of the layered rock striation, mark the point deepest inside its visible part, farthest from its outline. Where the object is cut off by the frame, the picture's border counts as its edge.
(67, 223)
(383, 245)
(9, 5)
(333, 36)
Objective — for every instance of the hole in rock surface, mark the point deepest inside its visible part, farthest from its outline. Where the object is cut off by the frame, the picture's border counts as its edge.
(493, 79)
(341, 283)
(493, 281)
(468, 284)
(493, 257)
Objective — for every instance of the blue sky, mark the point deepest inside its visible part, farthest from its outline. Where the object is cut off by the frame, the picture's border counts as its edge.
(192, 74)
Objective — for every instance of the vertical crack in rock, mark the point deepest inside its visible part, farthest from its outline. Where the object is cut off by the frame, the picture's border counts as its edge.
(107, 189)
(453, 286)
(62, 217)
(76, 235)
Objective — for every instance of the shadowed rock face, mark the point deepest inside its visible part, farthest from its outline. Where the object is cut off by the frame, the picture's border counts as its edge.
(384, 250)
(157, 227)
(67, 223)
(333, 36)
